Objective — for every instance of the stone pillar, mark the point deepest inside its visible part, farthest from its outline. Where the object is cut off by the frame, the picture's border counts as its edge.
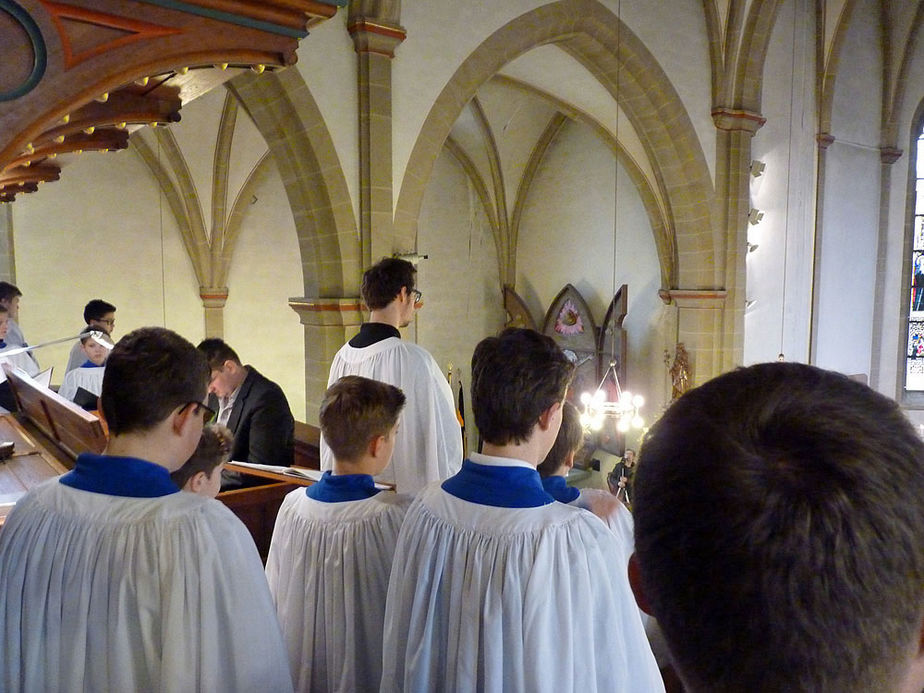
(699, 319)
(329, 323)
(888, 156)
(824, 141)
(213, 304)
(7, 256)
(375, 40)
(733, 165)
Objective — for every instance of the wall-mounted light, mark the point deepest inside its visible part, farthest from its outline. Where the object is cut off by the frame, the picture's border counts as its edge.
(757, 168)
(748, 304)
(413, 258)
(754, 216)
(752, 247)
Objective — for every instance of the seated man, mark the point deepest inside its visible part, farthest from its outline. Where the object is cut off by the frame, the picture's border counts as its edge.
(554, 470)
(201, 473)
(113, 580)
(89, 376)
(253, 407)
(429, 446)
(496, 586)
(334, 542)
(779, 534)
(99, 315)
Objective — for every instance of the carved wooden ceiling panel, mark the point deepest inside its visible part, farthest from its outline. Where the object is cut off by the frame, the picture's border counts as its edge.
(81, 75)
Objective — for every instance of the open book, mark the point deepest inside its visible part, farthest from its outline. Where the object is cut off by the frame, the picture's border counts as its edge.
(300, 472)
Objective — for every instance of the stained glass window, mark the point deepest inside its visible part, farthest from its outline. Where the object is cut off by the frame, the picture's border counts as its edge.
(914, 358)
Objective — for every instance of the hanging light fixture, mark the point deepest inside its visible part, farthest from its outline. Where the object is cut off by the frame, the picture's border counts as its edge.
(610, 401)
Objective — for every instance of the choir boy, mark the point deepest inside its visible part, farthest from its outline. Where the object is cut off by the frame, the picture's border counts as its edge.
(202, 471)
(334, 542)
(495, 586)
(113, 580)
(554, 470)
(99, 315)
(89, 375)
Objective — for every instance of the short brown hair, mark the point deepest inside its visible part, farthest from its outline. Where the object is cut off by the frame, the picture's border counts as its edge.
(383, 281)
(356, 410)
(570, 439)
(217, 352)
(516, 377)
(779, 532)
(149, 373)
(214, 448)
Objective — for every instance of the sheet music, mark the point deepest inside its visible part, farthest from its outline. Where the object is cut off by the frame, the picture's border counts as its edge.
(301, 472)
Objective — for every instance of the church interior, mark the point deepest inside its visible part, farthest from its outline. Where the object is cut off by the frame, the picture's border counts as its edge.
(746, 168)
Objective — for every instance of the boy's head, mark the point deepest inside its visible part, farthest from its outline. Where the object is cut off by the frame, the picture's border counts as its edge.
(570, 439)
(9, 298)
(382, 283)
(202, 471)
(150, 373)
(516, 378)
(226, 373)
(359, 420)
(779, 534)
(95, 352)
(100, 315)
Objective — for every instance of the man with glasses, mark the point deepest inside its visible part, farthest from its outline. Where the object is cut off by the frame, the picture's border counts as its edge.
(429, 442)
(99, 315)
(111, 579)
(253, 407)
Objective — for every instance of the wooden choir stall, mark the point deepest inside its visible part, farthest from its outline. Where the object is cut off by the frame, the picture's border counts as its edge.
(49, 431)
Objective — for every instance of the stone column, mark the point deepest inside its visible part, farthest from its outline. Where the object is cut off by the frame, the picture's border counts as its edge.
(699, 319)
(7, 256)
(375, 40)
(213, 304)
(735, 128)
(329, 323)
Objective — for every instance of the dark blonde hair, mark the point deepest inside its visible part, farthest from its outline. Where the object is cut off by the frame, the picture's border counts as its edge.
(354, 411)
(214, 448)
(570, 439)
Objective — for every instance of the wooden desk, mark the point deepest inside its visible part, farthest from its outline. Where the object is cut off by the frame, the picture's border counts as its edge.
(30, 465)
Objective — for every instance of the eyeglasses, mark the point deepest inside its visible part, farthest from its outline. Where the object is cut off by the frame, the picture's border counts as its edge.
(208, 414)
(417, 295)
(110, 322)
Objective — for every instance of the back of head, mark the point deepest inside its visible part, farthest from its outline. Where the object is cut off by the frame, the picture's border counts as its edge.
(515, 377)
(779, 532)
(214, 448)
(356, 410)
(149, 373)
(97, 309)
(383, 281)
(8, 292)
(217, 352)
(570, 439)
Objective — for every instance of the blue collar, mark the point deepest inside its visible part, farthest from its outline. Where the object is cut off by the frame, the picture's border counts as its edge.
(557, 487)
(2, 344)
(500, 487)
(342, 487)
(89, 364)
(119, 476)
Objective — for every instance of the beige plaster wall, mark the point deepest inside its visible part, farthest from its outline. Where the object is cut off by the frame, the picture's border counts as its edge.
(97, 233)
(567, 235)
(460, 280)
(265, 271)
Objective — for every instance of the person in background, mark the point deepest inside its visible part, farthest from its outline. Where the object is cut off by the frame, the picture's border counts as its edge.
(89, 376)
(99, 315)
(201, 473)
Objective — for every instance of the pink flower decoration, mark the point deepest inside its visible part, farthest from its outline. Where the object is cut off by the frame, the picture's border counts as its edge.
(569, 320)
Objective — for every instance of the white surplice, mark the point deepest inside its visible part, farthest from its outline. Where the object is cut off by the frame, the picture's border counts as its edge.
(614, 514)
(90, 378)
(429, 443)
(328, 570)
(112, 593)
(511, 599)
